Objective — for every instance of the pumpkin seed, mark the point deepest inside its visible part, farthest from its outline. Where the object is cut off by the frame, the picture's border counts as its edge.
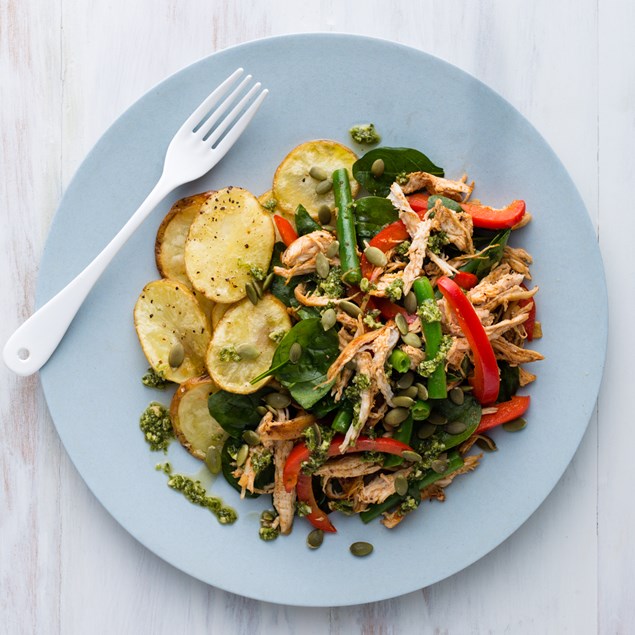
(401, 485)
(406, 380)
(361, 549)
(241, 457)
(401, 323)
(329, 317)
(324, 187)
(515, 425)
(322, 265)
(412, 339)
(272, 410)
(467, 388)
(426, 430)
(324, 215)
(410, 302)
(318, 173)
(251, 292)
(409, 455)
(251, 437)
(439, 466)
(262, 410)
(375, 256)
(176, 356)
(266, 283)
(247, 351)
(457, 396)
(403, 401)
(349, 308)
(437, 419)
(295, 352)
(411, 392)
(396, 416)
(377, 168)
(456, 427)
(277, 400)
(329, 228)
(212, 459)
(267, 516)
(258, 288)
(422, 392)
(333, 249)
(317, 433)
(315, 539)
(486, 443)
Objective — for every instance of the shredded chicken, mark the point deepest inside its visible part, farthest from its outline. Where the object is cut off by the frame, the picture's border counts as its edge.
(382, 348)
(364, 367)
(416, 355)
(283, 430)
(299, 257)
(525, 376)
(378, 489)
(499, 288)
(407, 215)
(456, 190)
(457, 226)
(518, 259)
(505, 350)
(348, 466)
(416, 254)
(283, 501)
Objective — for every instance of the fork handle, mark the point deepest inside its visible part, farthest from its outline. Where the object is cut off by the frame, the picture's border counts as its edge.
(30, 347)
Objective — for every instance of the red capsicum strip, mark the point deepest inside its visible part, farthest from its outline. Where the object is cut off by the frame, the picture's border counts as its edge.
(285, 229)
(317, 517)
(300, 453)
(465, 280)
(507, 411)
(530, 322)
(490, 218)
(419, 202)
(485, 380)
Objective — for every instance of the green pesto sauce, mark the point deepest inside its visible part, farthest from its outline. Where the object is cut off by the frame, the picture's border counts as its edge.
(428, 366)
(197, 495)
(152, 379)
(156, 425)
(365, 133)
(429, 311)
(228, 354)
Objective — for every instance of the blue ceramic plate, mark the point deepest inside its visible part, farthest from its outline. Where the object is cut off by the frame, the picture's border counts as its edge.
(92, 383)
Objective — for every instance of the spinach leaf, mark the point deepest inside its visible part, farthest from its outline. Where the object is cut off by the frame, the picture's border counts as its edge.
(396, 161)
(446, 202)
(304, 224)
(236, 413)
(482, 265)
(510, 381)
(229, 451)
(469, 413)
(279, 286)
(372, 214)
(306, 380)
(325, 405)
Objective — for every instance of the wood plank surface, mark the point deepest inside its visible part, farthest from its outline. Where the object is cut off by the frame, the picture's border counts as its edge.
(68, 69)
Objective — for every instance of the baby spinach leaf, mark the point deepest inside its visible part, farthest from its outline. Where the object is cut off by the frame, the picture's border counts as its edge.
(372, 214)
(446, 202)
(236, 413)
(509, 381)
(304, 224)
(306, 380)
(469, 413)
(483, 264)
(396, 161)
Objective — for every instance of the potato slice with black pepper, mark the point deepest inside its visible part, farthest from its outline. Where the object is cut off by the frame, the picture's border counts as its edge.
(217, 313)
(244, 342)
(169, 246)
(193, 425)
(231, 236)
(167, 315)
(294, 185)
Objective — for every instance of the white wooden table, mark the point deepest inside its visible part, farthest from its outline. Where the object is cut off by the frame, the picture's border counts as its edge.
(69, 67)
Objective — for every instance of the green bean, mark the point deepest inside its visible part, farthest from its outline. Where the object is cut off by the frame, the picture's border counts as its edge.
(349, 259)
(420, 410)
(455, 461)
(403, 434)
(399, 360)
(342, 420)
(437, 388)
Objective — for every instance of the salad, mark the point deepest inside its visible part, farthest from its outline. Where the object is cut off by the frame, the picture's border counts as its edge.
(337, 351)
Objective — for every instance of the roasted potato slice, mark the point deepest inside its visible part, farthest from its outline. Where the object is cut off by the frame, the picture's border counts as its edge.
(244, 342)
(167, 316)
(217, 313)
(193, 425)
(231, 235)
(169, 246)
(292, 183)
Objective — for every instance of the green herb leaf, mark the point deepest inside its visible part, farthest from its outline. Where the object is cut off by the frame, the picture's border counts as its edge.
(372, 214)
(304, 224)
(230, 448)
(469, 413)
(482, 265)
(236, 413)
(396, 161)
(509, 381)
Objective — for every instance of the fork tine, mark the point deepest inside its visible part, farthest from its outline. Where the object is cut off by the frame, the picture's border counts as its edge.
(240, 125)
(209, 123)
(209, 101)
(224, 125)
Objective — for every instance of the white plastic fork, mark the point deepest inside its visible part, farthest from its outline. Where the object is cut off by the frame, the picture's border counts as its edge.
(200, 143)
